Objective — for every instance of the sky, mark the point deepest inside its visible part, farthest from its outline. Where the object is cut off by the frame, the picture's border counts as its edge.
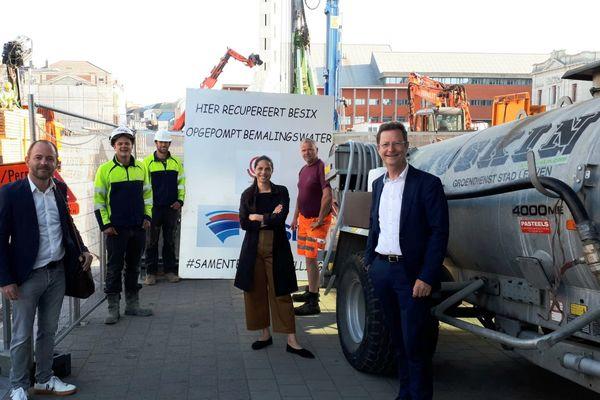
(157, 48)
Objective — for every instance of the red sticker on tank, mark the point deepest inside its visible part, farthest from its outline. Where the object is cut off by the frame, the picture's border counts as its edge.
(535, 226)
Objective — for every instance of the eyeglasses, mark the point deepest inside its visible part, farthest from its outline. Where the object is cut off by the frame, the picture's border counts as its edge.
(387, 145)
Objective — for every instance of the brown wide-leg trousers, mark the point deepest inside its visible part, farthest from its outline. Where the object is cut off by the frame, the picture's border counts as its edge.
(262, 296)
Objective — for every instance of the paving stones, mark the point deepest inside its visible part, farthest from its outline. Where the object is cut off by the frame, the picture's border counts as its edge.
(196, 346)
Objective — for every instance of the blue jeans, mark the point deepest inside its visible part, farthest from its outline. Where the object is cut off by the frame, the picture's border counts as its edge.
(43, 291)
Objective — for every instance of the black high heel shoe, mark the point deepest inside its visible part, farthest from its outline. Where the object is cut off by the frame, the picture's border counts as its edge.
(300, 352)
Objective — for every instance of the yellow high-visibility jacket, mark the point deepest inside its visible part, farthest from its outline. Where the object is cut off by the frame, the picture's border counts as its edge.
(167, 179)
(122, 194)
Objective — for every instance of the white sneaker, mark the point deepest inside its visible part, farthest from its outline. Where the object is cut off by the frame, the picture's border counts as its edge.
(18, 394)
(54, 386)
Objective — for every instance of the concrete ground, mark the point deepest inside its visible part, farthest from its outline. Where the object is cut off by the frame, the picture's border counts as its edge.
(196, 347)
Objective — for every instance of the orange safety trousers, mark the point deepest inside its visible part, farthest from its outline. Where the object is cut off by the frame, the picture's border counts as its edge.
(311, 240)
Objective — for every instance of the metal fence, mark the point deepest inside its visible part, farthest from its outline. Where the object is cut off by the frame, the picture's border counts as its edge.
(81, 152)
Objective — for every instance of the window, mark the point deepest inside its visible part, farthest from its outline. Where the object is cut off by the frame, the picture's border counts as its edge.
(374, 119)
(346, 120)
(482, 102)
(483, 81)
(539, 96)
(386, 102)
(386, 119)
(402, 102)
(393, 80)
(359, 119)
(553, 94)
(266, 23)
(373, 102)
(348, 102)
(574, 92)
(359, 102)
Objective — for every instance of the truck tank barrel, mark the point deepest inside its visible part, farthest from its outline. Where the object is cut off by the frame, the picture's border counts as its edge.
(496, 217)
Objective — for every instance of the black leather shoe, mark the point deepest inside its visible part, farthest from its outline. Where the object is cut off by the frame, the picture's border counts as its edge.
(301, 297)
(300, 352)
(308, 308)
(261, 344)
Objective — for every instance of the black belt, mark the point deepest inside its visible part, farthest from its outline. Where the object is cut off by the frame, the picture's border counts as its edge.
(391, 258)
(52, 264)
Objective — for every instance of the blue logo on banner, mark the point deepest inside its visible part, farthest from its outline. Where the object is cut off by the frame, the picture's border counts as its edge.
(224, 223)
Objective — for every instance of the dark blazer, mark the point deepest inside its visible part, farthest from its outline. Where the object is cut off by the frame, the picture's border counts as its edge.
(284, 273)
(423, 225)
(19, 231)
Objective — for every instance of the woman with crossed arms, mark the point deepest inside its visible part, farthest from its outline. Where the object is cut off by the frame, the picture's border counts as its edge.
(266, 266)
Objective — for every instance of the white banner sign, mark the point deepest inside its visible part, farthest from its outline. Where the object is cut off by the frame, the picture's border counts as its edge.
(225, 131)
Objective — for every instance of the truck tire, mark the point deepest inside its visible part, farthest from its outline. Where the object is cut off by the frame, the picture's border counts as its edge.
(364, 337)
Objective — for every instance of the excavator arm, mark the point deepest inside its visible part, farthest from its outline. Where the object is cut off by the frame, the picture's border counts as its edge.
(210, 81)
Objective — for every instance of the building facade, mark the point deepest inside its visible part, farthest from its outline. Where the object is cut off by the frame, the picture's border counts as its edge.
(547, 86)
(82, 88)
(374, 79)
(274, 47)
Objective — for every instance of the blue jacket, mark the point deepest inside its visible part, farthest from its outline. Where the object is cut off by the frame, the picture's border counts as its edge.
(20, 235)
(423, 225)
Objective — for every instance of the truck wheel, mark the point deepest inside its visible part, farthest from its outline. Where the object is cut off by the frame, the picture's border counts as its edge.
(364, 338)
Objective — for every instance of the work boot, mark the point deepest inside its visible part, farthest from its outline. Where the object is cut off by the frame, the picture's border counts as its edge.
(311, 307)
(172, 277)
(113, 300)
(150, 280)
(301, 297)
(132, 305)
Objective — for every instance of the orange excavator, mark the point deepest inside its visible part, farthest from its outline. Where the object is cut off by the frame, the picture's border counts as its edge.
(448, 105)
(210, 81)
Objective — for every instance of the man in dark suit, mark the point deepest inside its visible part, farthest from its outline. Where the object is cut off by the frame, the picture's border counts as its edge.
(35, 242)
(406, 247)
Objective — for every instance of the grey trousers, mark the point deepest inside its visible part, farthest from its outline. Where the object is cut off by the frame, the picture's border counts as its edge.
(43, 290)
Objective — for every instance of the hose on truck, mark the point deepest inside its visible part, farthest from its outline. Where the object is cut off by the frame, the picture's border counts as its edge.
(585, 226)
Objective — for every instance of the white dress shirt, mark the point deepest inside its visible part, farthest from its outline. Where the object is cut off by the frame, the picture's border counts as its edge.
(51, 245)
(390, 208)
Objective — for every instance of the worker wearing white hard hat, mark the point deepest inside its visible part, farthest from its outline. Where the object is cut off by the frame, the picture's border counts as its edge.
(121, 131)
(123, 208)
(162, 135)
(168, 187)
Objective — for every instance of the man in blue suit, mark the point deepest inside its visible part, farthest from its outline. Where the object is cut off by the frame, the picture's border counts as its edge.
(406, 247)
(35, 245)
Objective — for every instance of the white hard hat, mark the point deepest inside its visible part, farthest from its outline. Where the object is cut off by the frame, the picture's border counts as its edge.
(121, 130)
(162, 136)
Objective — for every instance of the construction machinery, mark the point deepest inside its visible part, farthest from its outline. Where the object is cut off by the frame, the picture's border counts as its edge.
(434, 106)
(15, 54)
(523, 260)
(251, 61)
(510, 107)
(302, 75)
(303, 81)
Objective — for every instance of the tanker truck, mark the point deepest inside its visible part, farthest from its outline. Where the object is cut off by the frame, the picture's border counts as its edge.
(522, 266)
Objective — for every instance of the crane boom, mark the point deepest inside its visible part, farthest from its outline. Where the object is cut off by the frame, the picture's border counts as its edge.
(210, 81)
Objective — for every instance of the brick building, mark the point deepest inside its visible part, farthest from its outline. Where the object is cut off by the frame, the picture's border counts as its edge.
(374, 79)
